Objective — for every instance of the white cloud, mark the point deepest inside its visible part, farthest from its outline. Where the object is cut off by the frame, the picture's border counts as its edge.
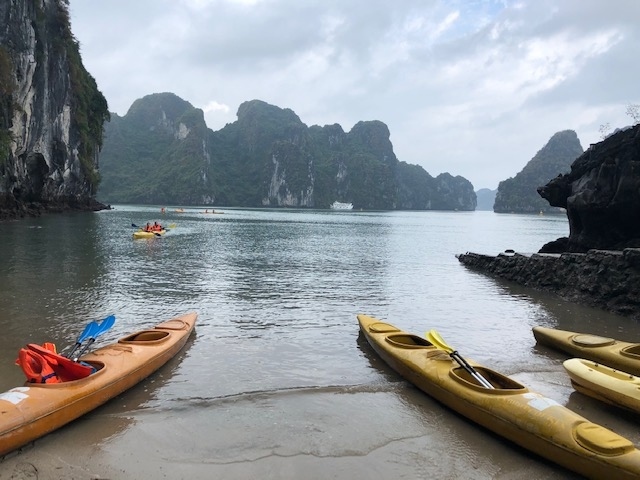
(214, 106)
(471, 87)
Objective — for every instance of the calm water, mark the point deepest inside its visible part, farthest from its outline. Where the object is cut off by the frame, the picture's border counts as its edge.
(276, 382)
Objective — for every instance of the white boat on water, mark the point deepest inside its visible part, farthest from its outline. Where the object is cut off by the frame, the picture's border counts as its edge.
(341, 206)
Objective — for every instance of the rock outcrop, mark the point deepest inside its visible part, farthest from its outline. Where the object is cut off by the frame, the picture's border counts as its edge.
(51, 113)
(519, 194)
(609, 280)
(601, 194)
(599, 263)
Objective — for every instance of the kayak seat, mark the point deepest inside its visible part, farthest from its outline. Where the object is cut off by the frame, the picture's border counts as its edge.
(408, 340)
(501, 383)
(146, 336)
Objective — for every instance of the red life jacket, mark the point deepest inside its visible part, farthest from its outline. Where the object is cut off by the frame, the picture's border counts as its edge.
(36, 368)
(65, 368)
(44, 365)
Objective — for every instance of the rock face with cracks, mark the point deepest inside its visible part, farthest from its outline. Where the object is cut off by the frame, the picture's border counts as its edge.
(601, 195)
(51, 113)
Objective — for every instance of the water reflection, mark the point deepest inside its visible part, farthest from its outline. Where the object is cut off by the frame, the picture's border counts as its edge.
(277, 292)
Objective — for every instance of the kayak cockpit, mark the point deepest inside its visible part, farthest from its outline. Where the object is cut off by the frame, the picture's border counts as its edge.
(632, 351)
(98, 368)
(501, 383)
(146, 337)
(408, 340)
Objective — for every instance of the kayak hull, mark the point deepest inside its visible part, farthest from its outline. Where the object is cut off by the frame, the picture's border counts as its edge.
(616, 354)
(143, 234)
(511, 410)
(32, 411)
(606, 384)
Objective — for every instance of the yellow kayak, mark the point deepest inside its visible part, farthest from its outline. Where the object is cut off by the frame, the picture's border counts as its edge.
(604, 383)
(510, 409)
(623, 356)
(143, 234)
(35, 409)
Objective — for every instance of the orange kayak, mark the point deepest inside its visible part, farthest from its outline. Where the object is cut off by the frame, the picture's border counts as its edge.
(33, 410)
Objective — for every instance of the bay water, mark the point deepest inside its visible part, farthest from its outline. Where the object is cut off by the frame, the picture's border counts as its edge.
(277, 382)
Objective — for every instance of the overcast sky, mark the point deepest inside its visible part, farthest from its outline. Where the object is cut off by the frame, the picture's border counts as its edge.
(470, 87)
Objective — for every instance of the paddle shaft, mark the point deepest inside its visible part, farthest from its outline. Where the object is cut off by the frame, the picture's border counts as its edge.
(464, 364)
(84, 349)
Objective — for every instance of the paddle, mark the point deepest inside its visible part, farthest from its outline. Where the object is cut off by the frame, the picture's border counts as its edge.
(435, 338)
(106, 324)
(87, 332)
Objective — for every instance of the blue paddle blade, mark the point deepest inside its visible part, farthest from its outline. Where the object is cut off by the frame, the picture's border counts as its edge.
(88, 331)
(106, 324)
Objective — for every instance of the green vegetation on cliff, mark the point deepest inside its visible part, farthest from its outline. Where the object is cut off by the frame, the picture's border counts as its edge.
(162, 153)
(519, 194)
(141, 160)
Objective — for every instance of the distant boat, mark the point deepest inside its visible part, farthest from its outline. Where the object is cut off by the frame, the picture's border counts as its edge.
(341, 206)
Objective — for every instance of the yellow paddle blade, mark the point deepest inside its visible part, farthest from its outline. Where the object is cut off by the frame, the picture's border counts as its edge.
(173, 225)
(435, 338)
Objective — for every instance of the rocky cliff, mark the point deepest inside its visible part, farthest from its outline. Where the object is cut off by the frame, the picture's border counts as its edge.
(519, 194)
(601, 194)
(599, 263)
(157, 153)
(267, 158)
(51, 113)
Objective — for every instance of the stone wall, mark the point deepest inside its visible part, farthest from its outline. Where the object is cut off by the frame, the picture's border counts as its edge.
(604, 279)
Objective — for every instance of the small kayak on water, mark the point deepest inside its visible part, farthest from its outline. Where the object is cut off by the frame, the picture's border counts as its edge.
(623, 356)
(506, 407)
(143, 234)
(603, 383)
(35, 409)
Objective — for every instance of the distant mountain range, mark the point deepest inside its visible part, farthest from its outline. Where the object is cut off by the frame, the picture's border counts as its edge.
(161, 152)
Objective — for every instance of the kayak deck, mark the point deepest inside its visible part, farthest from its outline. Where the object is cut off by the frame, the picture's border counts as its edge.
(510, 409)
(33, 410)
(604, 383)
(616, 354)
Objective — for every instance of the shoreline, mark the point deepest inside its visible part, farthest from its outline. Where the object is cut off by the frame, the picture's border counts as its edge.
(605, 279)
(12, 210)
